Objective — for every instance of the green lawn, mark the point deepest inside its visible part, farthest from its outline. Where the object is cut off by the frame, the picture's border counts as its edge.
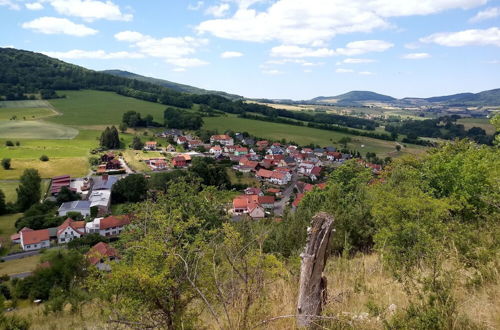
(26, 113)
(90, 107)
(304, 135)
(7, 225)
(17, 266)
(35, 129)
(9, 189)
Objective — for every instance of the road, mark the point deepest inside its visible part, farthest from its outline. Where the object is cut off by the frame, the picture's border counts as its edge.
(279, 206)
(20, 255)
(21, 275)
(128, 170)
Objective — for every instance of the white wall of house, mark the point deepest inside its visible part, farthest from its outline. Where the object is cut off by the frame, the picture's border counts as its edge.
(84, 212)
(68, 235)
(37, 246)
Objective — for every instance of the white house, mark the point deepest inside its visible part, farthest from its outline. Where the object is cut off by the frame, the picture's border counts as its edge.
(216, 150)
(35, 239)
(109, 226)
(69, 230)
(280, 178)
(100, 199)
(223, 139)
(82, 207)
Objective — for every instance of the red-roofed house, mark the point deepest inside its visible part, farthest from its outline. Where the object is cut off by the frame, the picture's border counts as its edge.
(223, 139)
(150, 145)
(248, 204)
(109, 226)
(35, 239)
(266, 202)
(179, 161)
(297, 200)
(280, 178)
(253, 191)
(315, 173)
(216, 150)
(240, 151)
(101, 254)
(58, 182)
(16, 238)
(69, 230)
(264, 174)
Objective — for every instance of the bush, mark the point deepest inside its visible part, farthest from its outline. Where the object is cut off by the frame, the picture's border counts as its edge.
(44, 158)
(18, 143)
(9, 143)
(6, 163)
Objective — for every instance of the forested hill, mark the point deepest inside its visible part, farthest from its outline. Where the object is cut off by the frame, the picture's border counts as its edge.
(169, 84)
(354, 96)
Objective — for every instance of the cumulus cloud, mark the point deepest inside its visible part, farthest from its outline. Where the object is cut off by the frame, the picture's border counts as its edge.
(10, 4)
(297, 51)
(364, 46)
(230, 54)
(272, 72)
(416, 56)
(358, 60)
(474, 37)
(54, 25)
(177, 51)
(34, 6)
(366, 73)
(218, 11)
(196, 6)
(90, 10)
(314, 22)
(486, 14)
(93, 54)
(341, 70)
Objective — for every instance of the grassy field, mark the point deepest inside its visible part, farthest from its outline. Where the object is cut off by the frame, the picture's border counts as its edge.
(25, 104)
(7, 227)
(305, 135)
(35, 129)
(100, 108)
(9, 189)
(74, 166)
(483, 123)
(135, 159)
(17, 266)
(245, 179)
(26, 113)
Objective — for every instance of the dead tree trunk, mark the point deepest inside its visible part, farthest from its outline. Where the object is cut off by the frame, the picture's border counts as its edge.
(312, 287)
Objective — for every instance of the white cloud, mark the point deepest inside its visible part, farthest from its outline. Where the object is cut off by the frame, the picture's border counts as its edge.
(483, 15)
(90, 10)
(340, 70)
(179, 69)
(366, 73)
(358, 60)
(186, 62)
(272, 72)
(197, 6)
(34, 6)
(54, 25)
(129, 36)
(93, 54)
(412, 45)
(297, 51)
(486, 37)
(364, 46)
(307, 70)
(314, 22)
(218, 11)
(230, 54)
(10, 4)
(282, 61)
(416, 56)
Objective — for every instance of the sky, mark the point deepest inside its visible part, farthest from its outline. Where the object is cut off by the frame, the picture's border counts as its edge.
(288, 49)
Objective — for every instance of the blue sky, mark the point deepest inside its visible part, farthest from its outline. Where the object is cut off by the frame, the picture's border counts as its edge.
(296, 49)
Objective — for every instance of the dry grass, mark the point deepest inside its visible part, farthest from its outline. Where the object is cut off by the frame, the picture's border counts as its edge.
(135, 159)
(17, 266)
(74, 166)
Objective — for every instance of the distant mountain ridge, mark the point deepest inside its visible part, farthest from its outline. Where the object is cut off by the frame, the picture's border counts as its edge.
(169, 84)
(485, 98)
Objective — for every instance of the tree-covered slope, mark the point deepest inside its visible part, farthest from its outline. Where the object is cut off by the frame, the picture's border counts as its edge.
(169, 84)
(355, 96)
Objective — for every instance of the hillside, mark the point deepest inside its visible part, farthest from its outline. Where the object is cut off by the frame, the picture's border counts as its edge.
(169, 84)
(354, 96)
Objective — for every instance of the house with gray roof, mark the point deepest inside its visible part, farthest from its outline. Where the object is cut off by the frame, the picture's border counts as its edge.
(104, 182)
(82, 207)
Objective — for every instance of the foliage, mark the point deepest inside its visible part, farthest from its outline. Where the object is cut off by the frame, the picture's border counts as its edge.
(3, 207)
(84, 243)
(44, 158)
(161, 181)
(137, 143)
(39, 216)
(210, 172)
(175, 118)
(67, 195)
(133, 188)
(28, 192)
(110, 139)
(9, 143)
(6, 163)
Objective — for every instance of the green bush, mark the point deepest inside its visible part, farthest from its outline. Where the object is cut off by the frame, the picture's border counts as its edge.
(44, 158)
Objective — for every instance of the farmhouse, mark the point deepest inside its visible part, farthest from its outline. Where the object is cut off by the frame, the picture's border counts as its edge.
(216, 150)
(150, 145)
(100, 199)
(69, 230)
(179, 161)
(109, 226)
(16, 238)
(58, 182)
(223, 139)
(35, 239)
(101, 254)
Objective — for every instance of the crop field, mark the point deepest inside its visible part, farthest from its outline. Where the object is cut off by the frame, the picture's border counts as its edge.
(483, 123)
(34, 129)
(25, 104)
(90, 107)
(74, 166)
(26, 113)
(304, 135)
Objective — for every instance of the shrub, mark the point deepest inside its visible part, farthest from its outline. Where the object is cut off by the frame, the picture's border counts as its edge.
(44, 158)
(9, 143)
(6, 163)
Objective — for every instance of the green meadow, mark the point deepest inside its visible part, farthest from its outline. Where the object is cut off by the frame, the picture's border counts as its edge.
(25, 113)
(483, 123)
(304, 135)
(88, 107)
(35, 129)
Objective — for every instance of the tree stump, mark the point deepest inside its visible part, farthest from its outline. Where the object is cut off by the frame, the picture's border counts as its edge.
(312, 286)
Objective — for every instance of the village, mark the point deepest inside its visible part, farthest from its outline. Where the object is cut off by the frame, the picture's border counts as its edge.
(282, 174)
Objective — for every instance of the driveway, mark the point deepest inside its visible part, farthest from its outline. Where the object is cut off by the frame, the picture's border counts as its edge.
(20, 255)
(128, 170)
